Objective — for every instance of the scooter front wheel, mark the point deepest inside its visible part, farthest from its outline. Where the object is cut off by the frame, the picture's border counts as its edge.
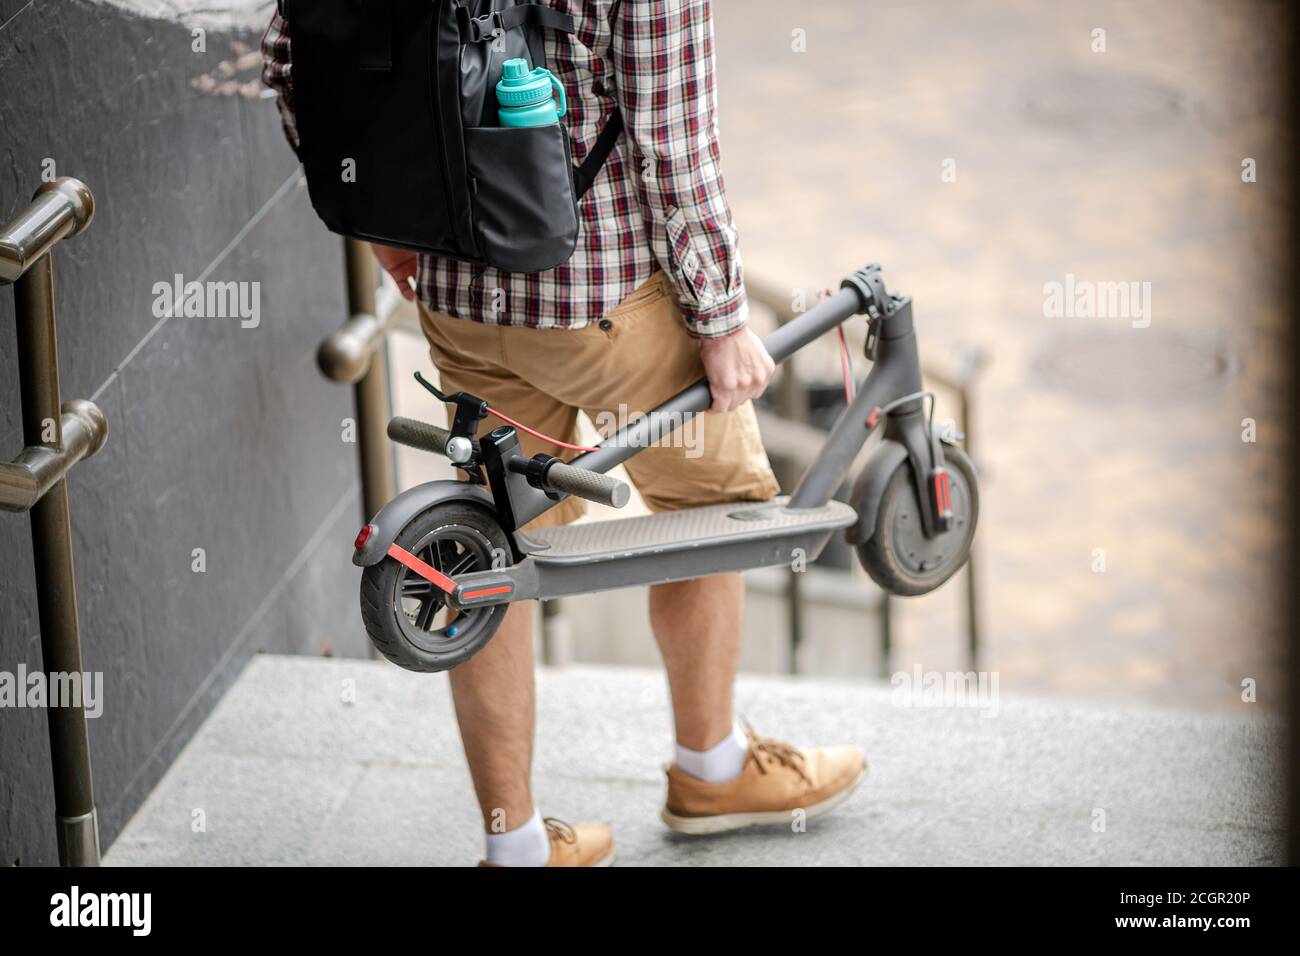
(407, 617)
(898, 555)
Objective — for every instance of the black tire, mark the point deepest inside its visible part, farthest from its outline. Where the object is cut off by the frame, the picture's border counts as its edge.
(898, 556)
(456, 538)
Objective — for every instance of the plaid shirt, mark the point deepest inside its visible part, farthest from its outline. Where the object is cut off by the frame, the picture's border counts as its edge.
(659, 202)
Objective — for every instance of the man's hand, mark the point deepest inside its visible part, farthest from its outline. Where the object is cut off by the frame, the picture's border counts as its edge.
(400, 264)
(738, 368)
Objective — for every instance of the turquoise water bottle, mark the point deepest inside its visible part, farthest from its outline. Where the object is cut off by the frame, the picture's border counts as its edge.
(525, 97)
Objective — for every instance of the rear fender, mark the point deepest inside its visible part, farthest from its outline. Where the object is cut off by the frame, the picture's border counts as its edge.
(397, 514)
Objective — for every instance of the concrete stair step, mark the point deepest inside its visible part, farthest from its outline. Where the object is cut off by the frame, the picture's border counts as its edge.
(341, 762)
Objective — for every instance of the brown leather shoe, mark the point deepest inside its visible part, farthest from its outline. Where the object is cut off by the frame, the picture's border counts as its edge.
(587, 844)
(777, 780)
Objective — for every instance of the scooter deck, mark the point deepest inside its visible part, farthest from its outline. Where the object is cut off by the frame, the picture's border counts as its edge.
(651, 549)
(681, 530)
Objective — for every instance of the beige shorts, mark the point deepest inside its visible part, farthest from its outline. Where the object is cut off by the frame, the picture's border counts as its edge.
(613, 371)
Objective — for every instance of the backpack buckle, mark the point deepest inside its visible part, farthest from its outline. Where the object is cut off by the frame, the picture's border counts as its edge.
(487, 27)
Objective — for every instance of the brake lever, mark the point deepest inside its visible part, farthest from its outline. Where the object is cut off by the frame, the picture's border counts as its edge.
(470, 410)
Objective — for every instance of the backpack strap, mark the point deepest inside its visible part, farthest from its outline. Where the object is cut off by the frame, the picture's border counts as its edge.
(585, 175)
(492, 25)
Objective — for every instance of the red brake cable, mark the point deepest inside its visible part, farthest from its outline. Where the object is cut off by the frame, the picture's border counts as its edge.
(536, 434)
(846, 364)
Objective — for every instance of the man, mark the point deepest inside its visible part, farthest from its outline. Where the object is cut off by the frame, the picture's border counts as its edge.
(651, 300)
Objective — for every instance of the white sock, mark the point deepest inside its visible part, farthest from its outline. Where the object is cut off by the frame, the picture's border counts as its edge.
(719, 763)
(528, 845)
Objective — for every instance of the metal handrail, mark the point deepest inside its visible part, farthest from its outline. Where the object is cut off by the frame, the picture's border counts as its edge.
(353, 355)
(57, 436)
(347, 354)
(59, 209)
(38, 468)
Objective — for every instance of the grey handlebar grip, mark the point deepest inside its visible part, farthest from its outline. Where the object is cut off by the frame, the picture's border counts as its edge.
(591, 485)
(421, 435)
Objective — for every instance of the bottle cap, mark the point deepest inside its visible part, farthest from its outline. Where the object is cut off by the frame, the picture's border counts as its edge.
(520, 87)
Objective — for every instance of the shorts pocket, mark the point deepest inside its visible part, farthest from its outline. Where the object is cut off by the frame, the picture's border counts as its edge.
(651, 293)
(521, 187)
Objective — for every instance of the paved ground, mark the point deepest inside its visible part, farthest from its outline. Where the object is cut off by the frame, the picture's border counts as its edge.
(285, 771)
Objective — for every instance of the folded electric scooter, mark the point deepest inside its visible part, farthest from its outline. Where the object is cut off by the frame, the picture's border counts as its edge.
(443, 560)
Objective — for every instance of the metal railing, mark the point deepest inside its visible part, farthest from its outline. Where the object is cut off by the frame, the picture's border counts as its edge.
(57, 435)
(354, 355)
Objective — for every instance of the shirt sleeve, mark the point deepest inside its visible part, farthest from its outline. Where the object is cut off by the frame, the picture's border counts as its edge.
(663, 61)
(277, 72)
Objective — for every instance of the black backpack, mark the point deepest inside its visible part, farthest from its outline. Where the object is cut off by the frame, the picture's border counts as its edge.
(399, 137)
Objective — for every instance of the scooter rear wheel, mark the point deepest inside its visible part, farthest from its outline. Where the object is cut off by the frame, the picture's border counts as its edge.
(898, 556)
(407, 617)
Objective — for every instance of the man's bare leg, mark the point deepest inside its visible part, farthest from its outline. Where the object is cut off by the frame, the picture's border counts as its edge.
(697, 625)
(493, 692)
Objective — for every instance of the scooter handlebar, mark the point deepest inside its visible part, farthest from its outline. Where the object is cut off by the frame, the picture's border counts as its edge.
(566, 479)
(416, 434)
(591, 485)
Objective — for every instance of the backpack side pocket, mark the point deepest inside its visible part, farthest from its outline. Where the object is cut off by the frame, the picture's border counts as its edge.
(521, 192)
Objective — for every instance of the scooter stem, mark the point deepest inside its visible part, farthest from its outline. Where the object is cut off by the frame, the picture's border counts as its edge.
(781, 344)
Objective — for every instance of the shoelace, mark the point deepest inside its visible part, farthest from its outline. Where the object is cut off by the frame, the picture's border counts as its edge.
(785, 754)
(561, 829)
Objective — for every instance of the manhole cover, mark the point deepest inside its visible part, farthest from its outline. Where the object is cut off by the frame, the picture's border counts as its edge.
(1099, 101)
(1137, 364)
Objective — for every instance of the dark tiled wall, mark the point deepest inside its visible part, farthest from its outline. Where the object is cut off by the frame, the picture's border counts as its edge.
(221, 437)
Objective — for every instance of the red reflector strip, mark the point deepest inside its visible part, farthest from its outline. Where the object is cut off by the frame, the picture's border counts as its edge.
(942, 496)
(484, 592)
(429, 573)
